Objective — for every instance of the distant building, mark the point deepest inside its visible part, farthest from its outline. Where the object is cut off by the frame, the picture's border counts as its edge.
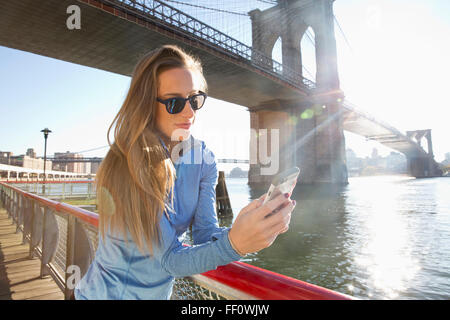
(375, 153)
(5, 157)
(76, 167)
(446, 162)
(237, 172)
(94, 167)
(26, 161)
(31, 153)
(394, 163)
(86, 167)
(30, 163)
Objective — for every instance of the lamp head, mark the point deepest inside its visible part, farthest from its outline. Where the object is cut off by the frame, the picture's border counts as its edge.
(46, 131)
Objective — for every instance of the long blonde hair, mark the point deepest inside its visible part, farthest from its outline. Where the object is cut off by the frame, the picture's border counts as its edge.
(136, 177)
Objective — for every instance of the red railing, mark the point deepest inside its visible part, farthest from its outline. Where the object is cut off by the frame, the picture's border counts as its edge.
(11, 181)
(244, 280)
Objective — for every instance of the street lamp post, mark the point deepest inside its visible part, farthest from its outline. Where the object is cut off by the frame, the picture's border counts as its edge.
(46, 131)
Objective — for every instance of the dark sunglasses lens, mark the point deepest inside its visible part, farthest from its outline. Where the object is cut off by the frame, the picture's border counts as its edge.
(175, 105)
(197, 101)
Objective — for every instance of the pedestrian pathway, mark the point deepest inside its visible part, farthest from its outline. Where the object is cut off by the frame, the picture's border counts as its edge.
(19, 275)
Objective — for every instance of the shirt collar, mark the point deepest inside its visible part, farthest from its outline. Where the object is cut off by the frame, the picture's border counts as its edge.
(184, 146)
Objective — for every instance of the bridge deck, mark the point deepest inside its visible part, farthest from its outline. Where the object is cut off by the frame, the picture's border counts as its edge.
(19, 275)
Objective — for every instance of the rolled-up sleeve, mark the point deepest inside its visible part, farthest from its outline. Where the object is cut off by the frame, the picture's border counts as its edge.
(179, 260)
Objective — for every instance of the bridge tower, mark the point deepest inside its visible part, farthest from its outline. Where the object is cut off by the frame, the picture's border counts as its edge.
(310, 131)
(420, 166)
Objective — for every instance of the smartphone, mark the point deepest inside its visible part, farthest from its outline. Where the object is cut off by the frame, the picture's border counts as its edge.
(282, 183)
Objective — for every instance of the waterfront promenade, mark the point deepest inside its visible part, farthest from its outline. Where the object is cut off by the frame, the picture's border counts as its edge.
(19, 275)
(64, 235)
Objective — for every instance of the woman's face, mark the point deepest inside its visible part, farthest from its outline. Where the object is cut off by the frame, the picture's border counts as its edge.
(177, 82)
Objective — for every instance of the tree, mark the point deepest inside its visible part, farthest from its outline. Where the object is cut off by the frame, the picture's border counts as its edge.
(238, 173)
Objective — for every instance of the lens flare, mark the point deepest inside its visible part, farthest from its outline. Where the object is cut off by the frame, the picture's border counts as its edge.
(107, 201)
(307, 114)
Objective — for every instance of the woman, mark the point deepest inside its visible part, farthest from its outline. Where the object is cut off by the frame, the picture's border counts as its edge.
(156, 181)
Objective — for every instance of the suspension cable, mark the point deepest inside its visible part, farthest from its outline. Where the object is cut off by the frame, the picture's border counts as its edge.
(207, 8)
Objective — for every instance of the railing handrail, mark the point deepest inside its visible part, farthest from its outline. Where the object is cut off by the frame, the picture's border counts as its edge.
(253, 281)
(85, 215)
(268, 285)
(47, 181)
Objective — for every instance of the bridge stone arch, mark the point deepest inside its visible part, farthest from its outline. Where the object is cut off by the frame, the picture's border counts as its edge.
(278, 44)
(305, 65)
(289, 20)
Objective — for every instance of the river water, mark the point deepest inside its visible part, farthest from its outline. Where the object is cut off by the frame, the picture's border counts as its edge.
(384, 237)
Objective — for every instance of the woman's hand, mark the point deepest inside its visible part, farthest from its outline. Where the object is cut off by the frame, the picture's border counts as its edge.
(254, 229)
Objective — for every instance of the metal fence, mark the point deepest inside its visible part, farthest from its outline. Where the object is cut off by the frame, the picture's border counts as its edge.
(84, 189)
(62, 235)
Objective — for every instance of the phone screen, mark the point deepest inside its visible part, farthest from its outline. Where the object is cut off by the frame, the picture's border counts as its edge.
(283, 183)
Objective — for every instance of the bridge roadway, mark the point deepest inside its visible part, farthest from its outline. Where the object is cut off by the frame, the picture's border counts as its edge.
(113, 43)
(112, 38)
(363, 124)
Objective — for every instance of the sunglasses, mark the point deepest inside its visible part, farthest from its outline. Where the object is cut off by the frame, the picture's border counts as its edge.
(176, 104)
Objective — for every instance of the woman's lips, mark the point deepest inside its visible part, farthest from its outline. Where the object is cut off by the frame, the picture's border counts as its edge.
(186, 125)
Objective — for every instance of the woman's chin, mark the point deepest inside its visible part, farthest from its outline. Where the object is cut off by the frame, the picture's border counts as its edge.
(180, 134)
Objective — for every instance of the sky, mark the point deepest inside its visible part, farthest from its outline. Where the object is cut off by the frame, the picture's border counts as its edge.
(393, 63)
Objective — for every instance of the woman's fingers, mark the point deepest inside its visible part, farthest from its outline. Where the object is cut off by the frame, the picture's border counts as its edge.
(263, 197)
(256, 226)
(279, 221)
(272, 205)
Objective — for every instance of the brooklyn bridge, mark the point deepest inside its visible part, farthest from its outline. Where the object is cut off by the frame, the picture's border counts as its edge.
(113, 34)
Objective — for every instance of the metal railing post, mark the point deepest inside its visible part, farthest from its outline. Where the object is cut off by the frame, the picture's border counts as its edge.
(8, 202)
(32, 228)
(19, 212)
(44, 268)
(14, 207)
(25, 216)
(10, 205)
(70, 251)
(89, 190)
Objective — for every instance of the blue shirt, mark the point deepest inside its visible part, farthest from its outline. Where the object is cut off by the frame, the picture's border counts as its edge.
(121, 271)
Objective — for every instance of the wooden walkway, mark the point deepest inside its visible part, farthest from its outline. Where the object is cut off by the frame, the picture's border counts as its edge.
(19, 275)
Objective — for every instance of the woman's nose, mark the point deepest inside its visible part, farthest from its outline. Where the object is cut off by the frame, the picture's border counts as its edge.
(188, 112)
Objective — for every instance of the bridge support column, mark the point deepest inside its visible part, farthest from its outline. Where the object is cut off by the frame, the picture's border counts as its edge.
(310, 138)
(423, 166)
(320, 149)
(270, 144)
(418, 167)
